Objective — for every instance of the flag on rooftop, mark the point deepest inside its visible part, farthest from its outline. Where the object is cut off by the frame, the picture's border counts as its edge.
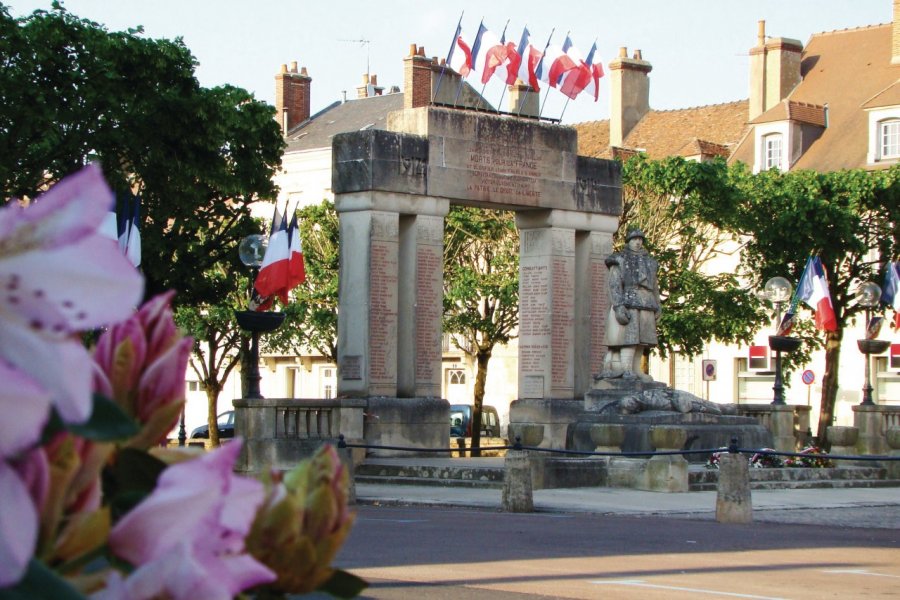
(529, 57)
(460, 55)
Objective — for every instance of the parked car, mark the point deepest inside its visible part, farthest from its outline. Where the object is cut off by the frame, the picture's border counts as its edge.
(225, 424)
(461, 421)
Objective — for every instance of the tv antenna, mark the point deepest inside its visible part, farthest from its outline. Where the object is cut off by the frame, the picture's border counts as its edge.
(367, 44)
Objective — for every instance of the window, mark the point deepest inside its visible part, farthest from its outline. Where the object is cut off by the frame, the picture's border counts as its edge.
(329, 392)
(195, 386)
(457, 377)
(889, 139)
(772, 147)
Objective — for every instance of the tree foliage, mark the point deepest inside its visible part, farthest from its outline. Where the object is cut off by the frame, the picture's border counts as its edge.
(850, 218)
(72, 92)
(481, 289)
(680, 205)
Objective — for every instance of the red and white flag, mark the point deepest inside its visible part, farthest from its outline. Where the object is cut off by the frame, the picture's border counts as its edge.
(555, 63)
(529, 58)
(274, 271)
(460, 56)
(813, 291)
(296, 266)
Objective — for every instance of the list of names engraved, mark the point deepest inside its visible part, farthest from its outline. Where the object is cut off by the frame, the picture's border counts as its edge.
(429, 299)
(383, 312)
(505, 171)
(563, 282)
(534, 318)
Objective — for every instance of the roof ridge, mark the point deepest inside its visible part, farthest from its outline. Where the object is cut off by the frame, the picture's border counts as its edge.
(850, 29)
(670, 110)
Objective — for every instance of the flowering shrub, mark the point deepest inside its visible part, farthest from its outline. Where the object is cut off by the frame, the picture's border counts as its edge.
(814, 457)
(763, 461)
(92, 507)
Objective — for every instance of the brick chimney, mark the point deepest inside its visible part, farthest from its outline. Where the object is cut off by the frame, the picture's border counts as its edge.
(895, 35)
(774, 70)
(416, 78)
(291, 96)
(369, 87)
(629, 90)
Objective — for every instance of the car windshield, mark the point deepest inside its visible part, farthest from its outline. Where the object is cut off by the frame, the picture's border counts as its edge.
(226, 418)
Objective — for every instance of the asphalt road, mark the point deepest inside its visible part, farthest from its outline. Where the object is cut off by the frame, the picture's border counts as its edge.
(468, 554)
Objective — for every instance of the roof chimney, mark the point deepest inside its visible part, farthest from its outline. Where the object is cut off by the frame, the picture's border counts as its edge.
(629, 90)
(523, 100)
(292, 96)
(774, 70)
(416, 78)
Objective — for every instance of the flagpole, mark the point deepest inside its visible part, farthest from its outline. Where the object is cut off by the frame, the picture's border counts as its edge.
(476, 43)
(541, 111)
(449, 54)
(540, 65)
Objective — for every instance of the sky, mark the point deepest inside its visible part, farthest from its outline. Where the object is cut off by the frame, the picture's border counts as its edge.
(699, 49)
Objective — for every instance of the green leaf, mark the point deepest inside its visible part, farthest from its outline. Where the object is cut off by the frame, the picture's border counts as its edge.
(40, 583)
(131, 479)
(342, 584)
(107, 423)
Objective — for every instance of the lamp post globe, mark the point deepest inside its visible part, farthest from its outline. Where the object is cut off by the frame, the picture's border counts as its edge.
(252, 249)
(778, 291)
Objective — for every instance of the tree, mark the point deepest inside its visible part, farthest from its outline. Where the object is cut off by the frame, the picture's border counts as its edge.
(679, 205)
(72, 92)
(850, 218)
(481, 289)
(311, 319)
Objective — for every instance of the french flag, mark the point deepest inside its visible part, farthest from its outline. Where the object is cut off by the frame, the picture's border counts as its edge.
(296, 266)
(529, 58)
(595, 70)
(890, 293)
(275, 269)
(573, 81)
(555, 63)
(488, 53)
(813, 291)
(460, 56)
(128, 228)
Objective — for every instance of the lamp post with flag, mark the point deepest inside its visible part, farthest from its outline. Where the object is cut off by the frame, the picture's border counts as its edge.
(778, 291)
(252, 250)
(868, 296)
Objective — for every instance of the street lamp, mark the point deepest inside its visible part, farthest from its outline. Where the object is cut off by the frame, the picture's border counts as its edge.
(778, 291)
(252, 249)
(868, 296)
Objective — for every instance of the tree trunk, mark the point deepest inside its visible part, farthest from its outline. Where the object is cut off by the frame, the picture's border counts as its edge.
(829, 382)
(212, 415)
(481, 358)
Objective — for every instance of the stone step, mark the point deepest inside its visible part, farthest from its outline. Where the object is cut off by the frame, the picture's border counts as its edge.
(798, 478)
(429, 482)
(440, 472)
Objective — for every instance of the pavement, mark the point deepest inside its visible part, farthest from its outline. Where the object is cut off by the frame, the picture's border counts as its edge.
(841, 507)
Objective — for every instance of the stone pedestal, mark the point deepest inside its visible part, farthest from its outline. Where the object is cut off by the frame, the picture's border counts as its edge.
(842, 440)
(608, 437)
(733, 500)
(667, 473)
(892, 435)
(783, 438)
(870, 422)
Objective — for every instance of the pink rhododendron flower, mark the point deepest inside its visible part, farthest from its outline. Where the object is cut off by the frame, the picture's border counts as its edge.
(58, 277)
(187, 537)
(141, 363)
(23, 487)
(25, 406)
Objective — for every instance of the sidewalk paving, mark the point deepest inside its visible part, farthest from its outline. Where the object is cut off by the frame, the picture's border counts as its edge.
(850, 507)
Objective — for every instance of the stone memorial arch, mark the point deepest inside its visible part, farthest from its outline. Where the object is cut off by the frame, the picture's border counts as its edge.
(392, 191)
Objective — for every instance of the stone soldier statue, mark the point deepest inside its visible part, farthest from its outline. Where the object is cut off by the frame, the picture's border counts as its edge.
(633, 308)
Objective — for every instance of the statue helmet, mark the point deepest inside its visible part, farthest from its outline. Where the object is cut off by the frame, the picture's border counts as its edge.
(635, 233)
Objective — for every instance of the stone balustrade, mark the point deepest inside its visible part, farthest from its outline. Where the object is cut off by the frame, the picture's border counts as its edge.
(278, 432)
(873, 422)
(789, 424)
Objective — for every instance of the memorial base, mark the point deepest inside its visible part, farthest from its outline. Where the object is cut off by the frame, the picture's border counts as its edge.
(406, 422)
(554, 414)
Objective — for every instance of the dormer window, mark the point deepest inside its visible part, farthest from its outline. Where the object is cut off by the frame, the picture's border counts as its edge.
(889, 139)
(772, 145)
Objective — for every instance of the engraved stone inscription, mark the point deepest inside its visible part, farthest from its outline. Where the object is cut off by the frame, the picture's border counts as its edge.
(429, 297)
(383, 312)
(563, 280)
(532, 386)
(351, 368)
(534, 318)
(500, 170)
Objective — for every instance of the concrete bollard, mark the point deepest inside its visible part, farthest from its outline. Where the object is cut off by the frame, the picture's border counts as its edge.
(346, 456)
(892, 435)
(733, 501)
(667, 473)
(518, 495)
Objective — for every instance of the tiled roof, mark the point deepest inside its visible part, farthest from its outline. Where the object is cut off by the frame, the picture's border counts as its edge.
(886, 97)
(801, 112)
(844, 70)
(664, 133)
(340, 117)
